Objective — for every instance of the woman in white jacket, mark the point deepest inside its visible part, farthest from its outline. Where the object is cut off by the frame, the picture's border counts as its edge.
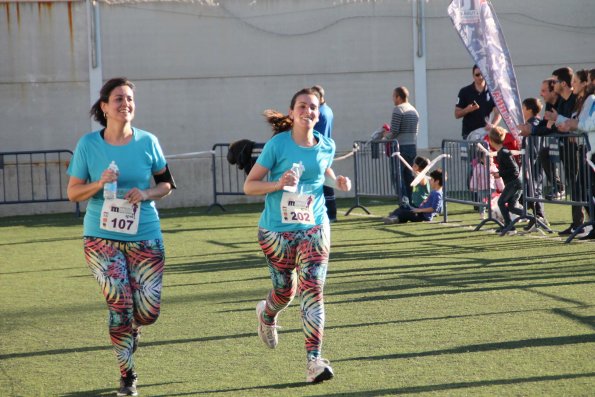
(584, 122)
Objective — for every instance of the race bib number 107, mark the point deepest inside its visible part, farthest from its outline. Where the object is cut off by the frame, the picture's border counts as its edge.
(120, 216)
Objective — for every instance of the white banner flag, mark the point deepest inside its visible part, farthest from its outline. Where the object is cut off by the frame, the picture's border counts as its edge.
(478, 27)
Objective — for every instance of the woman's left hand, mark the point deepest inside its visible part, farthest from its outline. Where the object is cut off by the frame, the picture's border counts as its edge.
(135, 195)
(551, 115)
(568, 125)
(343, 183)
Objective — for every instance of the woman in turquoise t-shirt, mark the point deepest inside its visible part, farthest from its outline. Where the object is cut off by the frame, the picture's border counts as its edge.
(294, 231)
(123, 244)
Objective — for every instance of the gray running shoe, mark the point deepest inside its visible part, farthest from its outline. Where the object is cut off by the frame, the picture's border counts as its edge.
(318, 370)
(268, 333)
(128, 385)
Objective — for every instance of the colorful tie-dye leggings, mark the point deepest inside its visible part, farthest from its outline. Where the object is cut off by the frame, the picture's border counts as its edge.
(130, 277)
(298, 262)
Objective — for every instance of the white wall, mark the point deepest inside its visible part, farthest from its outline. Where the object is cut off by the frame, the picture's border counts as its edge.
(204, 74)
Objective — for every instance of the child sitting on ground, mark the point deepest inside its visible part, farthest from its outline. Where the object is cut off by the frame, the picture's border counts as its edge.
(429, 208)
(419, 192)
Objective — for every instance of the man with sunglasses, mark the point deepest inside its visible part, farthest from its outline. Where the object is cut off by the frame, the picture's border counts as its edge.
(475, 105)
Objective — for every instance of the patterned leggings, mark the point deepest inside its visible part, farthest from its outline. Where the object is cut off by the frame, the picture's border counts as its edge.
(130, 277)
(298, 262)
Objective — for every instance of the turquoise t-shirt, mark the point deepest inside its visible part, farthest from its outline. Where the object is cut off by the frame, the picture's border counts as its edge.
(137, 161)
(278, 155)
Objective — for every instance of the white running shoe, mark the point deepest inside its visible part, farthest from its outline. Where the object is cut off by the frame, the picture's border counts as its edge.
(318, 370)
(268, 333)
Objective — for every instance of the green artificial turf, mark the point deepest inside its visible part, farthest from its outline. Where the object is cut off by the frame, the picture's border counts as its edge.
(426, 309)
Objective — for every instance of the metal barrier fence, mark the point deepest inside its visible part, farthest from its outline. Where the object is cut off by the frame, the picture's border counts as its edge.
(467, 177)
(37, 176)
(377, 173)
(561, 175)
(554, 170)
(228, 179)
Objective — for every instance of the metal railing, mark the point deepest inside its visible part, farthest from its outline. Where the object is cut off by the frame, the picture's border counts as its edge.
(467, 178)
(553, 170)
(562, 175)
(377, 173)
(228, 179)
(35, 176)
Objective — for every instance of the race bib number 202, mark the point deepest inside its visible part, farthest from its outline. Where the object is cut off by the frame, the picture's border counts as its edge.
(120, 216)
(297, 208)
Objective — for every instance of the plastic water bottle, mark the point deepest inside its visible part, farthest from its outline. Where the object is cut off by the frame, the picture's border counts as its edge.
(297, 169)
(110, 189)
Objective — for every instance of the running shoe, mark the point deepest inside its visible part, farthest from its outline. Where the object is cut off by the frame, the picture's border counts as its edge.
(128, 385)
(390, 220)
(318, 370)
(268, 333)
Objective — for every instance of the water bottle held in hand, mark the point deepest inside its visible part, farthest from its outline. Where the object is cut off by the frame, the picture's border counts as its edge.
(297, 170)
(110, 189)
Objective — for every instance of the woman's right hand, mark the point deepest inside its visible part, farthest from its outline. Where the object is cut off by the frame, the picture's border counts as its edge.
(289, 178)
(107, 176)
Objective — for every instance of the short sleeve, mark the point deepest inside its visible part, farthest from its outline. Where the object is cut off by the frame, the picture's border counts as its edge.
(333, 151)
(78, 167)
(159, 160)
(267, 157)
(461, 100)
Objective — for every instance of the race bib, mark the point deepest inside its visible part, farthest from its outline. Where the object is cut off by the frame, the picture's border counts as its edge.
(120, 216)
(297, 208)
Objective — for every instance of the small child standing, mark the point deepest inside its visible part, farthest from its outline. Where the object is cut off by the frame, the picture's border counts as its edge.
(531, 109)
(508, 170)
(419, 192)
(429, 208)
(479, 185)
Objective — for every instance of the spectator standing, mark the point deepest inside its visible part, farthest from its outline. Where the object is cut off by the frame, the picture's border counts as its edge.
(404, 126)
(586, 123)
(325, 127)
(480, 185)
(568, 150)
(531, 108)
(548, 156)
(508, 170)
(474, 106)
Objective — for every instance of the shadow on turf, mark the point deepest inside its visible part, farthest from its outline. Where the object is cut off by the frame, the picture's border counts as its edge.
(464, 349)
(281, 386)
(208, 266)
(484, 347)
(448, 292)
(45, 240)
(451, 288)
(111, 391)
(460, 385)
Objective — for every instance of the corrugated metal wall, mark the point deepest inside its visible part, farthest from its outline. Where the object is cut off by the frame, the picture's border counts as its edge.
(205, 73)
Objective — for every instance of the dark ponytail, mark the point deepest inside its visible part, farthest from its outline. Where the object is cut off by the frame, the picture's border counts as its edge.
(280, 122)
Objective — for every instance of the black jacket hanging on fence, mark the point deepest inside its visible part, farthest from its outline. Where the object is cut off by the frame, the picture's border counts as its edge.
(240, 153)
